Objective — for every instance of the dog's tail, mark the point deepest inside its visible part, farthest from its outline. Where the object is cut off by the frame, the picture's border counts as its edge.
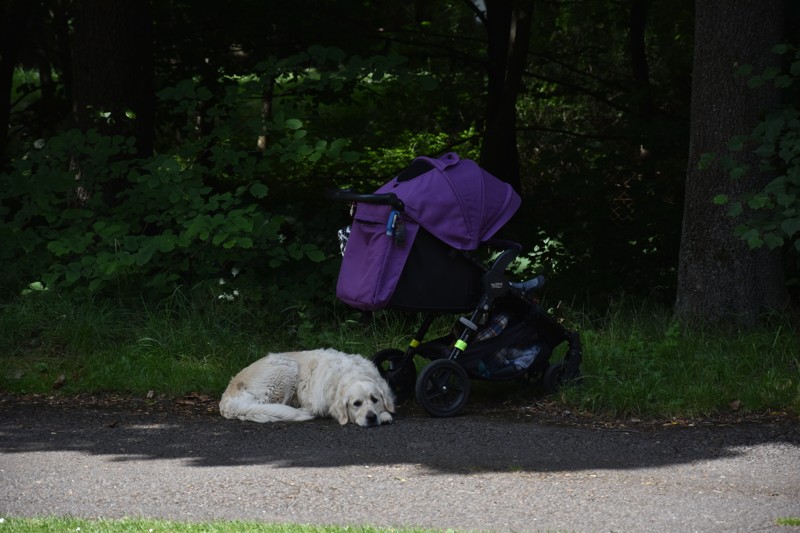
(244, 407)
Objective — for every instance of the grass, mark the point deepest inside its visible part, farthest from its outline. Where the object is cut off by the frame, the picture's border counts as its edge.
(175, 348)
(641, 363)
(60, 525)
(637, 361)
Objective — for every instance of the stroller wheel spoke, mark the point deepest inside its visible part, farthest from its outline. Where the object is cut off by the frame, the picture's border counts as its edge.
(439, 383)
(443, 388)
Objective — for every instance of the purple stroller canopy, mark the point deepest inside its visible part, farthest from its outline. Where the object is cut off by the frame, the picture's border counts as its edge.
(456, 200)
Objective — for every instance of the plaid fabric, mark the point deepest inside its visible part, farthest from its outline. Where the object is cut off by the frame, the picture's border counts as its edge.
(495, 326)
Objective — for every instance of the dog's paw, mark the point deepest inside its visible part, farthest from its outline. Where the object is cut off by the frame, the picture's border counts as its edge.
(385, 418)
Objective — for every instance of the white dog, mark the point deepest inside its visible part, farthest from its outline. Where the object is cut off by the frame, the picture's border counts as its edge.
(297, 386)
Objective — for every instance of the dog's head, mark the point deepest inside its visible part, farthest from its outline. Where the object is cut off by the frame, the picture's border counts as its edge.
(366, 403)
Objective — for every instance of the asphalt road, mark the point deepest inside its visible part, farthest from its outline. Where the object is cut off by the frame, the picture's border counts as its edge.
(492, 471)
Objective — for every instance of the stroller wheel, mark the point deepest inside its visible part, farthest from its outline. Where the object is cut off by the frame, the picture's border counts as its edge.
(442, 388)
(558, 375)
(401, 378)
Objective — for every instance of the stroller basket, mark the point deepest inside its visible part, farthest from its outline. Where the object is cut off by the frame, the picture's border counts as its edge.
(411, 247)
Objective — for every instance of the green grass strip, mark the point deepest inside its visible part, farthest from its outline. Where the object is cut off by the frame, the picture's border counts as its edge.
(130, 525)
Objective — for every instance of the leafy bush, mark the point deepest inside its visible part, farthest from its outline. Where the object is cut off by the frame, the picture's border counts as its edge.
(80, 212)
(165, 226)
(773, 217)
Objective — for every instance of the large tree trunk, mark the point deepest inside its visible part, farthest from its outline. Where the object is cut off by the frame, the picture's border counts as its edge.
(720, 280)
(508, 26)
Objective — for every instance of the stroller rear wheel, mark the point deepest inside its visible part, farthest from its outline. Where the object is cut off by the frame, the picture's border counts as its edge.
(443, 388)
(399, 374)
(559, 375)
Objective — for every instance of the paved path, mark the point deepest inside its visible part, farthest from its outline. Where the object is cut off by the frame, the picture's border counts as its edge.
(472, 472)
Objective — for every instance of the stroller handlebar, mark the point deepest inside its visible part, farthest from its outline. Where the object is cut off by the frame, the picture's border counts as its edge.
(381, 199)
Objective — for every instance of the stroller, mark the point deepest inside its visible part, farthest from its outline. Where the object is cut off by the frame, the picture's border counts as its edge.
(414, 245)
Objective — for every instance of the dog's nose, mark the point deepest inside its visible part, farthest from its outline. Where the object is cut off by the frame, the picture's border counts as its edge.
(372, 419)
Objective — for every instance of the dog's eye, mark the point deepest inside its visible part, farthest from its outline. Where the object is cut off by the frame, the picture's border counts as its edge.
(374, 399)
(357, 403)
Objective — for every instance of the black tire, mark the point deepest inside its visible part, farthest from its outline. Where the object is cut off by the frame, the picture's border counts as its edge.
(443, 388)
(559, 375)
(401, 378)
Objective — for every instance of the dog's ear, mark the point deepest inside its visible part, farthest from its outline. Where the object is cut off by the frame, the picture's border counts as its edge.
(339, 410)
(388, 398)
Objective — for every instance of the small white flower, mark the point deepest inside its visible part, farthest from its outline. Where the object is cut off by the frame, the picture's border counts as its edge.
(235, 271)
(236, 293)
(38, 144)
(222, 281)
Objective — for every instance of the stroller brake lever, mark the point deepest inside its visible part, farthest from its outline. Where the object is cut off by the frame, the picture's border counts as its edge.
(527, 286)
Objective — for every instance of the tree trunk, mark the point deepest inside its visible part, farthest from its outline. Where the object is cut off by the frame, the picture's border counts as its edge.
(643, 94)
(112, 73)
(508, 25)
(720, 280)
(15, 16)
(113, 69)
(61, 15)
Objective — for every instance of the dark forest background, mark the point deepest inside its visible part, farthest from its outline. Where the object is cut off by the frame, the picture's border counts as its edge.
(154, 145)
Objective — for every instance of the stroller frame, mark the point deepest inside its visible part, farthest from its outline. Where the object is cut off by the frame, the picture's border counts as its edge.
(442, 387)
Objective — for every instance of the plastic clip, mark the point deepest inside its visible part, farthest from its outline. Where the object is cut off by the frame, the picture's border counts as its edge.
(391, 222)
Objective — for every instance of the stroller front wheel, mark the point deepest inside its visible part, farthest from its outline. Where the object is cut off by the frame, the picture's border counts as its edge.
(443, 388)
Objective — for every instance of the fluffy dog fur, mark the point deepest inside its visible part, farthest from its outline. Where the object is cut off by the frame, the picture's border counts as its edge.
(298, 386)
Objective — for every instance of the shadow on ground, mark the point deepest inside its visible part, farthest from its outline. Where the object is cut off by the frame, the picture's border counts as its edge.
(479, 440)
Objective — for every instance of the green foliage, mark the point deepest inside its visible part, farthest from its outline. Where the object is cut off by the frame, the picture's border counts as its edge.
(548, 257)
(163, 225)
(81, 213)
(770, 216)
(383, 83)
